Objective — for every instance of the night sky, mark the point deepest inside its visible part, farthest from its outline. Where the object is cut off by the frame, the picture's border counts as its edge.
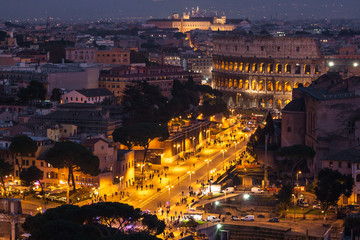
(252, 9)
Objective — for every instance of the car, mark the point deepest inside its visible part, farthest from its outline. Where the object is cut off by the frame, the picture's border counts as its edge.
(235, 218)
(248, 218)
(256, 190)
(213, 219)
(274, 219)
(229, 190)
(316, 206)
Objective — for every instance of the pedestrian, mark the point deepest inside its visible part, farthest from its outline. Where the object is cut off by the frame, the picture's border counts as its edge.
(160, 180)
(142, 187)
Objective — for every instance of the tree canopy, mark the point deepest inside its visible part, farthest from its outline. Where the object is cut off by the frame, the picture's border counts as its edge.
(56, 95)
(74, 157)
(331, 185)
(6, 169)
(140, 134)
(297, 157)
(103, 221)
(35, 91)
(22, 146)
(30, 175)
(143, 102)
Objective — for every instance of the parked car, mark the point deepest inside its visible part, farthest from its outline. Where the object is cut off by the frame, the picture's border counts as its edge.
(274, 219)
(235, 218)
(248, 218)
(256, 190)
(213, 219)
(229, 190)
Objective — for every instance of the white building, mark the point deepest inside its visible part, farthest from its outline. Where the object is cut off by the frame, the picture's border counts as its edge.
(94, 95)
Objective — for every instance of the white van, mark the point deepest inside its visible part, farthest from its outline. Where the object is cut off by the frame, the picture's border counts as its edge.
(213, 219)
(229, 190)
(248, 218)
(256, 190)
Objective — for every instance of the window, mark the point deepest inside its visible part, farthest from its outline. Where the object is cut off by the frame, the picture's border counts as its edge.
(298, 49)
(358, 178)
(340, 164)
(33, 163)
(262, 48)
(331, 164)
(278, 48)
(349, 165)
(42, 164)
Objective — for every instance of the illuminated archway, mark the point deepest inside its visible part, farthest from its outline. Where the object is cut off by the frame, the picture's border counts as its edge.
(235, 83)
(235, 66)
(230, 83)
(278, 68)
(261, 85)
(270, 85)
(241, 66)
(241, 84)
(231, 66)
(262, 69)
(306, 84)
(279, 104)
(247, 85)
(254, 85)
(287, 68)
(307, 69)
(226, 66)
(296, 85)
(287, 87)
(270, 103)
(278, 86)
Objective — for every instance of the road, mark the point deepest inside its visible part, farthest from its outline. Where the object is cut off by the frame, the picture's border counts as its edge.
(179, 179)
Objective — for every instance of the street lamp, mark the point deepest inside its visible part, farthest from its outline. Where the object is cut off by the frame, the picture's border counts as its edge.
(120, 178)
(294, 205)
(297, 178)
(208, 162)
(223, 152)
(169, 187)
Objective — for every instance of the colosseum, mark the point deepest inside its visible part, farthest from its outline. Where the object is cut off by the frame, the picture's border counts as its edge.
(262, 71)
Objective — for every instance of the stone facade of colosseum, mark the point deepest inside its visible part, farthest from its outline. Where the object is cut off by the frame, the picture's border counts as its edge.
(262, 71)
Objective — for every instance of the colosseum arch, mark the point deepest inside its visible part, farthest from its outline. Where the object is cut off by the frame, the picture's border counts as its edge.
(247, 67)
(241, 84)
(317, 69)
(262, 103)
(306, 84)
(247, 85)
(296, 85)
(278, 86)
(235, 66)
(235, 83)
(287, 101)
(278, 68)
(261, 85)
(262, 68)
(307, 69)
(270, 103)
(269, 85)
(231, 65)
(254, 67)
(230, 83)
(254, 85)
(278, 104)
(241, 66)
(226, 66)
(254, 103)
(287, 87)
(287, 68)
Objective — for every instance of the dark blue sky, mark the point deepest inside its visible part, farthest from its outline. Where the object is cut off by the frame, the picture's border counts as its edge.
(253, 9)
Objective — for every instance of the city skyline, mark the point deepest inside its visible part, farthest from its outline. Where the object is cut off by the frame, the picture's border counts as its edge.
(115, 9)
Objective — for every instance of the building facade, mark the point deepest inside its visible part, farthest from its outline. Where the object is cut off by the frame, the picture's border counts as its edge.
(263, 71)
(162, 76)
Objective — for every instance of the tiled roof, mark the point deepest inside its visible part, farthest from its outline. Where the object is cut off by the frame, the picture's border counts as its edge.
(95, 92)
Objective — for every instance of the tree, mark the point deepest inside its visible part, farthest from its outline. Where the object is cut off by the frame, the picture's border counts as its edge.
(297, 157)
(143, 102)
(331, 185)
(55, 95)
(22, 146)
(5, 170)
(74, 157)
(213, 105)
(100, 221)
(35, 91)
(30, 175)
(284, 198)
(140, 134)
